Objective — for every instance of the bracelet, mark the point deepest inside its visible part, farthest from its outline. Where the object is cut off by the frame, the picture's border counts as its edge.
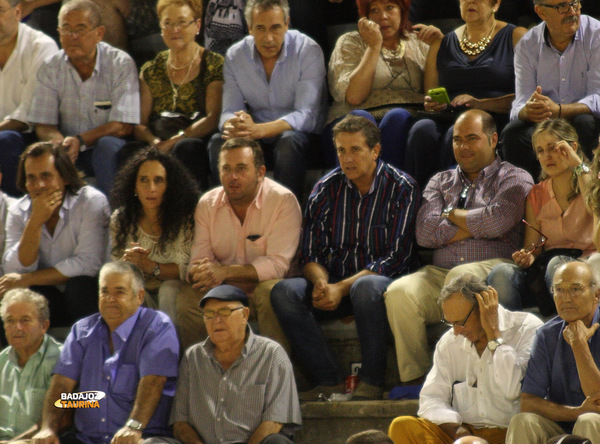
(559, 110)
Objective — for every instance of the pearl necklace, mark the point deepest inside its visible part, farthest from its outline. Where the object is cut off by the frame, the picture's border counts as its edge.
(473, 49)
(189, 67)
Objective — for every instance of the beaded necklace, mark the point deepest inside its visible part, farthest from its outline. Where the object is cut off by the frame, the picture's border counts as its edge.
(473, 49)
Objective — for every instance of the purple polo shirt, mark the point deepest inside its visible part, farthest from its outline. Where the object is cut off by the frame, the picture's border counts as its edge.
(145, 344)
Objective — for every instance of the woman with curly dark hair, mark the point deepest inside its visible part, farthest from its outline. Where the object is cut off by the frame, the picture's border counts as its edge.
(152, 225)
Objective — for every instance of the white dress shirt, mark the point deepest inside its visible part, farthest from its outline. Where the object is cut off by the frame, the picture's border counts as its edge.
(18, 77)
(463, 387)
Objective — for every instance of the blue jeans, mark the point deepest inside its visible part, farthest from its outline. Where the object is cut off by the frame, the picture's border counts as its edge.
(394, 129)
(509, 282)
(100, 160)
(292, 302)
(287, 151)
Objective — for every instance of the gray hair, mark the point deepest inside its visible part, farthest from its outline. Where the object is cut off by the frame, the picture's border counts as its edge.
(263, 5)
(121, 267)
(468, 285)
(82, 5)
(590, 265)
(17, 295)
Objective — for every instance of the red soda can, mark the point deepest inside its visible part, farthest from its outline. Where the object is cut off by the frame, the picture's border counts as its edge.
(351, 383)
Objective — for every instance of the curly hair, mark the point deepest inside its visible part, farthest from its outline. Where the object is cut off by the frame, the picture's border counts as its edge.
(177, 207)
(593, 196)
(562, 130)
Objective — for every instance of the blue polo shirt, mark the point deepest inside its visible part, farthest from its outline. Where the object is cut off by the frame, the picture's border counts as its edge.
(552, 372)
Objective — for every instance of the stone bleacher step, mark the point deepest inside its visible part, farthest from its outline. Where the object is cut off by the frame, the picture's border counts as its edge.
(334, 422)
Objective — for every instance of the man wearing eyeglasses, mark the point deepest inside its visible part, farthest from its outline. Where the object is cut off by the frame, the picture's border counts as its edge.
(22, 51)
(236, 386)
(475, 383)
(557, 74)
(561, 389)
(88, 94)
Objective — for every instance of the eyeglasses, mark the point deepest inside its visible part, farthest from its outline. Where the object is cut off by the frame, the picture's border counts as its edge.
(224, 312)
(574, 290)
(181, 24)
(460, 323)
(563, 8)
(540, 243)
(78, 31)
(462, 197)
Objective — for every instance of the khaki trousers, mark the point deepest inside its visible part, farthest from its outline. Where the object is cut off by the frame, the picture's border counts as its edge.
(411, 304)
(190, 324)
(532, 428)
(411, 430)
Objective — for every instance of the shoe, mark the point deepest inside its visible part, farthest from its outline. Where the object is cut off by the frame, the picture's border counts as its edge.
(321, 392)
(367, 392)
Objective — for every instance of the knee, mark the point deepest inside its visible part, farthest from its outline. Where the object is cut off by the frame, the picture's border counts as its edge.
(284, 297)
(365, 114)
(108, 146)
(397, 117)
(290, 142)
(401, 427)
(397, 298)
(369, 289)
(11, 138)
(423, 130)
(586, 420)
(522, 421)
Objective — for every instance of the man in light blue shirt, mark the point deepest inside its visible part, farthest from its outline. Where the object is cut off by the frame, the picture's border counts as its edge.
(88, 94)
(56, 235)
(557, 74)
(274, 91)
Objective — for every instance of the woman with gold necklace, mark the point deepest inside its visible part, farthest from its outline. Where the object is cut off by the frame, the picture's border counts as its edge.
(475, 65)
(184, 79)
(377, 72)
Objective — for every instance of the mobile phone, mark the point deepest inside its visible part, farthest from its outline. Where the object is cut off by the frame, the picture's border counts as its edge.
(439, 95)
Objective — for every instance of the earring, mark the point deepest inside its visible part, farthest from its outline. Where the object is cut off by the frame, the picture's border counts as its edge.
(135, 194)
(493, 11)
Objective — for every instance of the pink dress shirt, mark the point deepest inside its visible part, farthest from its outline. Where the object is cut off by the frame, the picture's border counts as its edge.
(268, 238)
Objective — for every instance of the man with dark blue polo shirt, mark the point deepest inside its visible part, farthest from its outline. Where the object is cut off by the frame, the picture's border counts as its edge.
(561, 389)
(129, 353)
(358, 234)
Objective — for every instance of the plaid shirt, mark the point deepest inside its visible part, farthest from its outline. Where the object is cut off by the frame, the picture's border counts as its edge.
(495, 206)
(346, 232)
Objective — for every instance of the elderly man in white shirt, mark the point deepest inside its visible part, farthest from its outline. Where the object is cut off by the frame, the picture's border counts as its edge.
(22, 51)
(475, 383)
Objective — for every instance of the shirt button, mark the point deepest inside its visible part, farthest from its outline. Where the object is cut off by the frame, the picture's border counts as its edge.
(563, 79)
(218, 419)
(222, 400)
(103, 420)
(462, 259)
(108, 378)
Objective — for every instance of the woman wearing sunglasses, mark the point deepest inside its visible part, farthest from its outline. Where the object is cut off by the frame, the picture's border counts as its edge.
(557, 221)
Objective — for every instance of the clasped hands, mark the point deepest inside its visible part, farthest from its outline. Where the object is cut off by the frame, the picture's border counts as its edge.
(539, 107)
(138, 256)
(325, 296)
(206, 274)
(242, 125)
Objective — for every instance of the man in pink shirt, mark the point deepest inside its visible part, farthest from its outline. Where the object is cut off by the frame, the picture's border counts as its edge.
(246, 234)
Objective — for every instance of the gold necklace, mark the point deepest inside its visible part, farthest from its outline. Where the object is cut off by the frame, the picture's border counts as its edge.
(473, 49)
(176, 90)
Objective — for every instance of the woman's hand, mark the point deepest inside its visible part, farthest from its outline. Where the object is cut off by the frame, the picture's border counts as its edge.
(165, 145)
(427, 33)
(138, 256)
(465, 100)
(431, 106)
(567, 154)
(523, 259)
(371, 34)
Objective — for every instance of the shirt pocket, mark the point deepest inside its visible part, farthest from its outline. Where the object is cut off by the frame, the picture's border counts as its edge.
(464, 397)
(256, 248)
(126, 380)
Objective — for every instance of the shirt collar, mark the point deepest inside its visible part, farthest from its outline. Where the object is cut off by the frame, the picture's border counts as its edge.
(257, 201)
(282, 54)
(12, 354)
(486, 172)
(546, 34)
(209, 347)
(97, 63)
(125, 329)
(376, 179)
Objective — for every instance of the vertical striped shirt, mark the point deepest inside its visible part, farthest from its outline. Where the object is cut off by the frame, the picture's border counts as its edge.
(346, 232)
(227, 406)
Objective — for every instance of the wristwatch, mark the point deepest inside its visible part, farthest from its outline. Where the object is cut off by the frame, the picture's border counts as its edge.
(82, 145)
(494, 344)
(133, 424)
(580, 169)
(182, 134)
(156, 270)
(446, 212)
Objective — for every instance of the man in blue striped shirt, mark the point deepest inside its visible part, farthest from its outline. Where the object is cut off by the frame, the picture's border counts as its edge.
(358, 234)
